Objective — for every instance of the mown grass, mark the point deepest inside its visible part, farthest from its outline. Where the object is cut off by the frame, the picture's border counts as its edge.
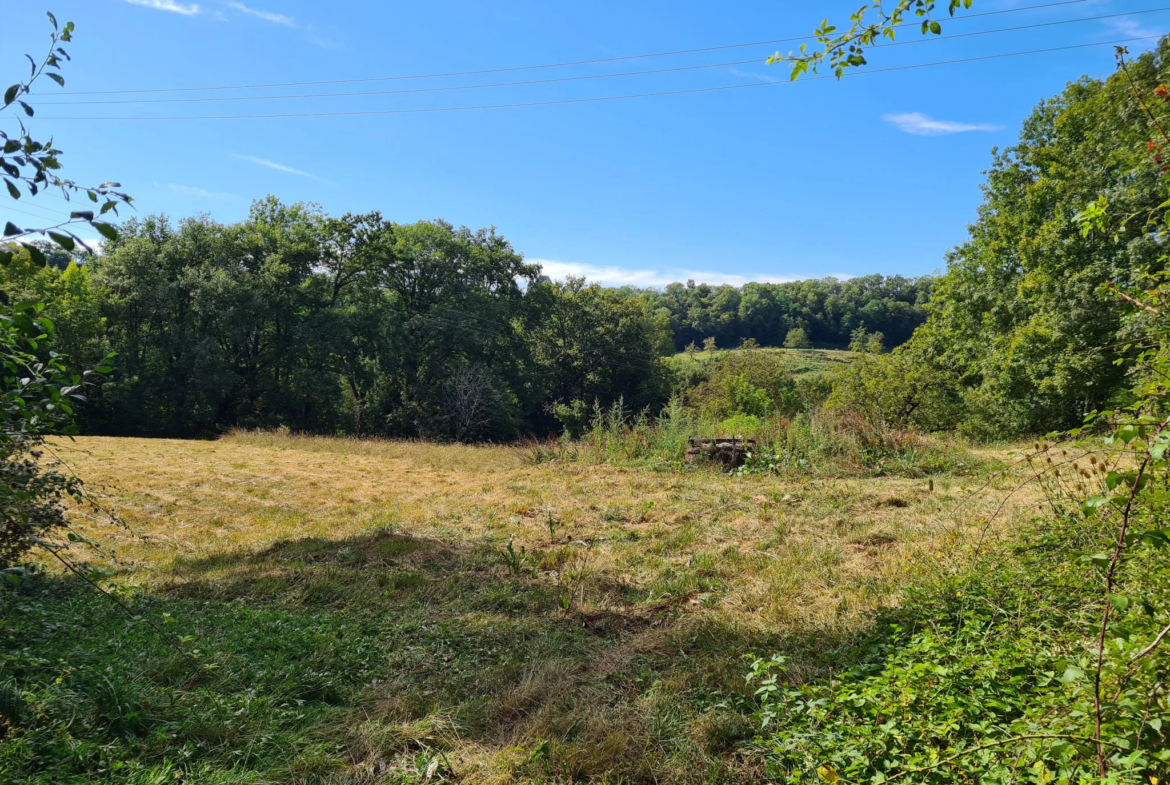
(358, 611)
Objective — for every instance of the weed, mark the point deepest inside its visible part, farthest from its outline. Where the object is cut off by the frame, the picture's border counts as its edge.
(516, 562)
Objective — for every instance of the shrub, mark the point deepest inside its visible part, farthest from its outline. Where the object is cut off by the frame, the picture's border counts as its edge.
(740, 425)
(797, 338)
(864, 342)
(573, 417)
(751, 382)
(35, 402)
(981, 676)
(747, 399)
(898, 390)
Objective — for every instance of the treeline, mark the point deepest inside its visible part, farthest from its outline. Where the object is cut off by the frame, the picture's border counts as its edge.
(341, 325)
(359, 325)
(828, 310)
(1027, 332)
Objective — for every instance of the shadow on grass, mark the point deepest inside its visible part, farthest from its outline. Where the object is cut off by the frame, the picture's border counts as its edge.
(362, 659)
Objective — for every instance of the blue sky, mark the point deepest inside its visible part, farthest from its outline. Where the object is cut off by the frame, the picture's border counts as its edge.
(875, 173)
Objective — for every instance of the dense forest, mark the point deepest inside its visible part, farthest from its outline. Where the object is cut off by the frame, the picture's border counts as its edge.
(829, 311)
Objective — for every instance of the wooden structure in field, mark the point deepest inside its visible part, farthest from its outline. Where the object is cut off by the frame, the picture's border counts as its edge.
(730, 452)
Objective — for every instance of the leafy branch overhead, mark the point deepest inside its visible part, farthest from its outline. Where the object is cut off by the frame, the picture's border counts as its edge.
(867, 27)
(31, 166)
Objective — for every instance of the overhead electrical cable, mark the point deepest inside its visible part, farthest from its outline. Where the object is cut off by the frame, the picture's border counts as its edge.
(6, 208)
(588, 77)
(599, 99)
(544, 65)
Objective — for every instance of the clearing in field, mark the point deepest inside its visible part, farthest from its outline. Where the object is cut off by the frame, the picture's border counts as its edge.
(358, 609)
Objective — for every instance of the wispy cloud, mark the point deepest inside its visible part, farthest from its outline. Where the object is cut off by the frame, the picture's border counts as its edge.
(324, 43)
(649, 277)
(190, 190)
(754, 75)
(1131, 28)
(267, 16)
(186, 9)
(923, 125)
(279, 167)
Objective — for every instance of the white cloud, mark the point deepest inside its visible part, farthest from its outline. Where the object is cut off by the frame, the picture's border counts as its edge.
(1131, 28)
(649, 277)
(326, 43)
(923, 125)
(190, 190)
(754, 75)
(267, 16)
(278, 167)
(186, 9)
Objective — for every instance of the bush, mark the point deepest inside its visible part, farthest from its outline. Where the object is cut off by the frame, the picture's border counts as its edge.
(752, 381)
(797, 338)
(741, 425)
(36, 401)
(981, 676)
(897, 390)
(747, 399)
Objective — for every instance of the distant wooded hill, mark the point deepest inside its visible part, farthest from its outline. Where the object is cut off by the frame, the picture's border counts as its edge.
(828, 310)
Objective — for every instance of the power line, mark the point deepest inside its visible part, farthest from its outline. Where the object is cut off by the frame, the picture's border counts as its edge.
(572, 78)
(561, 102)
(30, 215)
(45, 209)
(544, 65)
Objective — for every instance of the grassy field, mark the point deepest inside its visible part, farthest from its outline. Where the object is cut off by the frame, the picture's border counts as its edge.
(801, 362)
(354, 611)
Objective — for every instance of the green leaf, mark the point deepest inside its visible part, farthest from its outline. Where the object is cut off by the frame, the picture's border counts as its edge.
(1072, 674)
(13, 191)
(1119, 602)
(85, 215)
(936, 28)
(63, 240)
(56, 78)
(11, 229)
(1092, 503)
(1127, 433)
(1159, 447)
(106, 230)
(28, 110)
(37, 256)
(11, 93)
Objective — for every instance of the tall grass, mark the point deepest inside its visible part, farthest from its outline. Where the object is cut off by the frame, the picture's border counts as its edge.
(819, 442)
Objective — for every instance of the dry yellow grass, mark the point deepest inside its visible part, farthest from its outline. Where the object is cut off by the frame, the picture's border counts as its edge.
(648, 589)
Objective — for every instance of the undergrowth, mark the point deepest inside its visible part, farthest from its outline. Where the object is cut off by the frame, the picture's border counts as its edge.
(817, 443)
(983, 676)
